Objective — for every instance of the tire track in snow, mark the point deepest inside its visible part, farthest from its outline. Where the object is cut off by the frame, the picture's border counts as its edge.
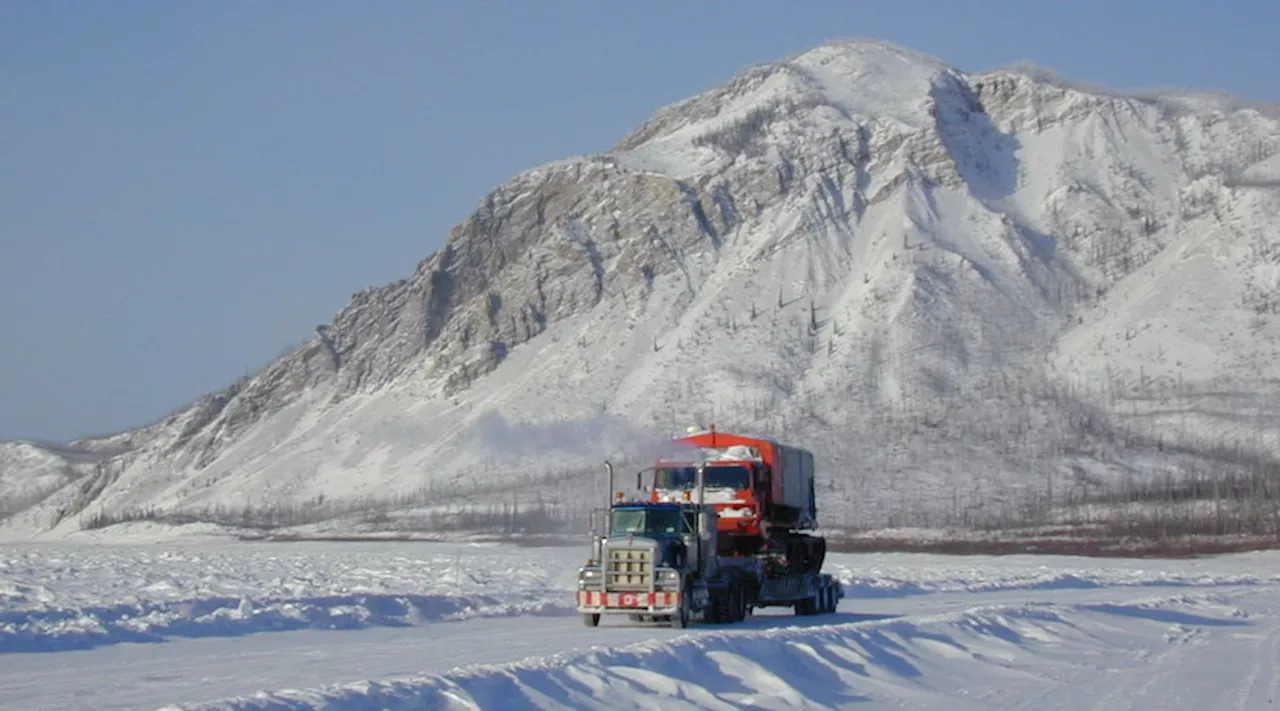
(1264, 679)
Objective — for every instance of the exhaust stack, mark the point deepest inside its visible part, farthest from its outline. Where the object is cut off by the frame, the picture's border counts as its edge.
(609, 468)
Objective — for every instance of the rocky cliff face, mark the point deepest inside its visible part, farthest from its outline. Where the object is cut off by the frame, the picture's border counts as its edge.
(942, 282)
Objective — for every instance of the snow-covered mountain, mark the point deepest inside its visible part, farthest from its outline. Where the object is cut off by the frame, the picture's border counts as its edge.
(948, 285)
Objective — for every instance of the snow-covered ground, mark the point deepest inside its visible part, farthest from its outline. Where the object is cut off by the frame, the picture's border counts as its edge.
(58, 597)
(398, 625)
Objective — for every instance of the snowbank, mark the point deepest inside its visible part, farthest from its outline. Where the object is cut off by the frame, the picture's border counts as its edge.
(57, 597)
(60, 629)
(982, 654)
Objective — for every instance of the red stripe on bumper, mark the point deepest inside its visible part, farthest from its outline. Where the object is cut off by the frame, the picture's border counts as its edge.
(628, 600)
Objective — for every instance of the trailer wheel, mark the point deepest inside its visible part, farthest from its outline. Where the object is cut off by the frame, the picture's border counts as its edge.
(591, 619)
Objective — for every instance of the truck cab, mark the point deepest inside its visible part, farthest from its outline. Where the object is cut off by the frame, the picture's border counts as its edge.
(668, 525)
(648, 561)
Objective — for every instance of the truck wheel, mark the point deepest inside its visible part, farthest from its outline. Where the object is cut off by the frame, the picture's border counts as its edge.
(680, 620)
(721, 610)
(739, 602)
(591, 619)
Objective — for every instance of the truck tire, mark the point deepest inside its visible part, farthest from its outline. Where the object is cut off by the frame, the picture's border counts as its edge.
(711, 615)
(680, 620)
(720, 611)
(591, 619)
(738, 604)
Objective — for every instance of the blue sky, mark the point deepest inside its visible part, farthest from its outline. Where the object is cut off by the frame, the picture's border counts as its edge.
(188, 188)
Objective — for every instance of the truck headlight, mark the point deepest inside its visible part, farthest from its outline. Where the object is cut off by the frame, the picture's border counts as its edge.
(588, 576)
(668, 578)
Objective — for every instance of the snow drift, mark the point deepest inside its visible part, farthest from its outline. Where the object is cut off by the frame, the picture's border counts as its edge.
(61, 598)
(980, 659)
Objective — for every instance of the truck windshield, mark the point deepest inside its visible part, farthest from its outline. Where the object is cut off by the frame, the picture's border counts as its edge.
(718, 476)
(644, 521)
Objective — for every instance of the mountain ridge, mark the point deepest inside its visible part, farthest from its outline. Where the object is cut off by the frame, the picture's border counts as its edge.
(927, 233)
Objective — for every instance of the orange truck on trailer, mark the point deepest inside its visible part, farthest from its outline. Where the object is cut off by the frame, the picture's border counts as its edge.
(762, 490)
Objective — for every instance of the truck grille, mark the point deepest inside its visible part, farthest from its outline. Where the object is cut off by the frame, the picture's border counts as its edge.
(628, 569)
